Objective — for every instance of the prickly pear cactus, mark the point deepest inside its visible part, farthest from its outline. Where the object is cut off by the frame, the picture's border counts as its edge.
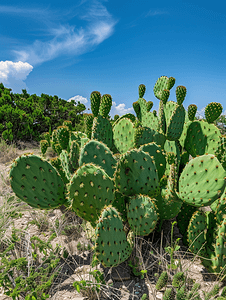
(36, 182)
(112, 246)
(142, 214)
(136, 173)
(123, 135)
(99, 154)
(158, 155)
(90, 190)
(202, 181)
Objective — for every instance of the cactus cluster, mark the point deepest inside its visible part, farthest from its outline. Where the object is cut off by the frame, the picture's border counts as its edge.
(126, 177)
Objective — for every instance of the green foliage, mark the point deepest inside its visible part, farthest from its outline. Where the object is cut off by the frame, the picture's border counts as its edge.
(25, 276)
(26, 117)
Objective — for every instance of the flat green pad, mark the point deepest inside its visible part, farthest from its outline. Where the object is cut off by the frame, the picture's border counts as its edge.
(136, 173)
(98, 153)
(176, 123)
(128, 116)
(196, 233)
(123, 135)
(36, 182)
(90, 189)
(202, 138)
(142, 214)
(150, 120)
(202, 181)
(158, 155)
(149, 135)
(102, 130)
(168, 205)
(112, 247)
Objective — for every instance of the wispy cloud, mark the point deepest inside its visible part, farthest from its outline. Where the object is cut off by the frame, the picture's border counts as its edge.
(68, 39)
(13, 74)
(153, 12)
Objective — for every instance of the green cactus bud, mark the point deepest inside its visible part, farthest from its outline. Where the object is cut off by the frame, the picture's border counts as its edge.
(95, 99)
(44, 146)
(180, 94)
(192, 109)
(149, 105)
(141, 89)
(105, 105)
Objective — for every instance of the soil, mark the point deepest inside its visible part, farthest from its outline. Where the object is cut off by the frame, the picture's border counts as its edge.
(125, 285)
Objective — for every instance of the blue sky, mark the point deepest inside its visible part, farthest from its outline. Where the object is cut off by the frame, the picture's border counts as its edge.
(71, 48)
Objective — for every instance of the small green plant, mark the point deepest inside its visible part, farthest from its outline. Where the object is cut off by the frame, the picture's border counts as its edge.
(91, 288)
(171, 249)
(134, 268)
(28, 266)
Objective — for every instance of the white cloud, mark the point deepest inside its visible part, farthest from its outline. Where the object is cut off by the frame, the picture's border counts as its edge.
(120, 109)
(13, 74)
(115, 109)
(71, 40)
(79, 98)
(200, 113)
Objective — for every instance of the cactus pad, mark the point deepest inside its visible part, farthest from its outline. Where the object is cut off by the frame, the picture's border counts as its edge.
(99, 154)
(123, 134)
(136, 173)
(142, 214)
(158, 155)
(202, 181)
(212, 111)
(111, 247)
(36, 182)
(90, 189)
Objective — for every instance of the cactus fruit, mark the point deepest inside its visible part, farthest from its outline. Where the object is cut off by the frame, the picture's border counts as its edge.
(192, 109)
(136, 173)
(90, 190)
(142, 214)
(112, 246)
(99, 154)
(95, 99)
(202, 181)
(212, 111)
(36, 182)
